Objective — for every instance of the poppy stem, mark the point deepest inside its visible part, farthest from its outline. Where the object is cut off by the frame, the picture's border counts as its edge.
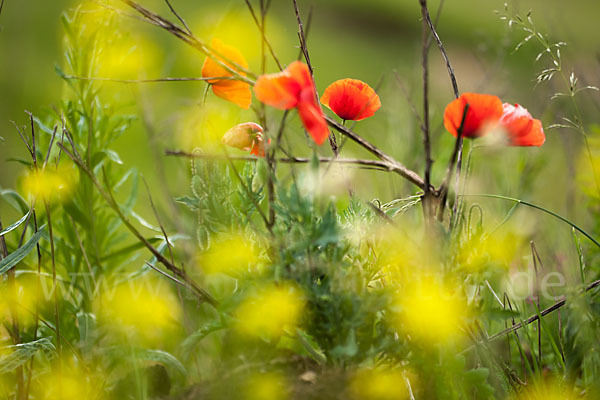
(443, 191)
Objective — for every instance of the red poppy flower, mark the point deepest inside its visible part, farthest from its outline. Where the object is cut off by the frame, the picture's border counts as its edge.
(521, 129)
(294, 88)
(351, 99)
(237, 92)
(247, 136)
(484, 111)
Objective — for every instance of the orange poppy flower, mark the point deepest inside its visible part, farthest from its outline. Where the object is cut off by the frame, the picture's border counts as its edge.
(520, 127)
(237, 92)
(484, 111)
(351, 99)
(294, 88)
(247, 136)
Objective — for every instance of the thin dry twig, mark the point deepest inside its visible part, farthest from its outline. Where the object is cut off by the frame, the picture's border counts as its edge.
(302, 38)
(187, 28)
(23, 138)
(375, 164)
(427, 17)
(162, 228)
(543, 313)
(264, 36)
(395, 166)
(193, 79)
(229, 65)
(425, 125)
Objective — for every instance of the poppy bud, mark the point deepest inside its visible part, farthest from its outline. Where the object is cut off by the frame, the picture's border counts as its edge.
(247, 136)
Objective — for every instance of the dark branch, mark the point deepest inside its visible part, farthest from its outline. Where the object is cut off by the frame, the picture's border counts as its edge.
(427, 18)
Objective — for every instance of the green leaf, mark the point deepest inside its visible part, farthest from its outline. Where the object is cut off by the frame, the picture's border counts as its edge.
(113, 156)
(14, 199)
(191, 341)
(42, 126)
(17, 255)
(145, 223)
(19, 354)
(192, 203)
(347, 350)
(162, 357)
(15, 225)
(86, 323)
(27, 163)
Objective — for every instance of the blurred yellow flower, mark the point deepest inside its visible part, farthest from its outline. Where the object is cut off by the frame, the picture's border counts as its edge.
(548, 390)
(429, 311)
(18, 298)
(379, 384)
(270, 312)
(233, 27)
(204, 127)
(266, 386)
(231, 254)
(142, 310)
(115, 54)
(499, 249)
(127, 59)
(50, 183)
(72, 384)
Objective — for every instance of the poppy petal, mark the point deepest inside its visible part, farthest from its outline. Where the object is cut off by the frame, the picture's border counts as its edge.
(278, 90)
(258, 148)
(300, 73)
(521, 128)
(351, 99)
(211, 68)
(237, 92)
(534, 137)
(312, 116)
(484, 110)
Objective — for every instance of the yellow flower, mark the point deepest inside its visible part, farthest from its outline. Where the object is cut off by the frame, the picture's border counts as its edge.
(270, 312)
(50, 183)
(379, 384)
(231, 254)
(71, 384)
(549, 390)
(18, 299)
(141, 310)
(266, 386)
(429, 311)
